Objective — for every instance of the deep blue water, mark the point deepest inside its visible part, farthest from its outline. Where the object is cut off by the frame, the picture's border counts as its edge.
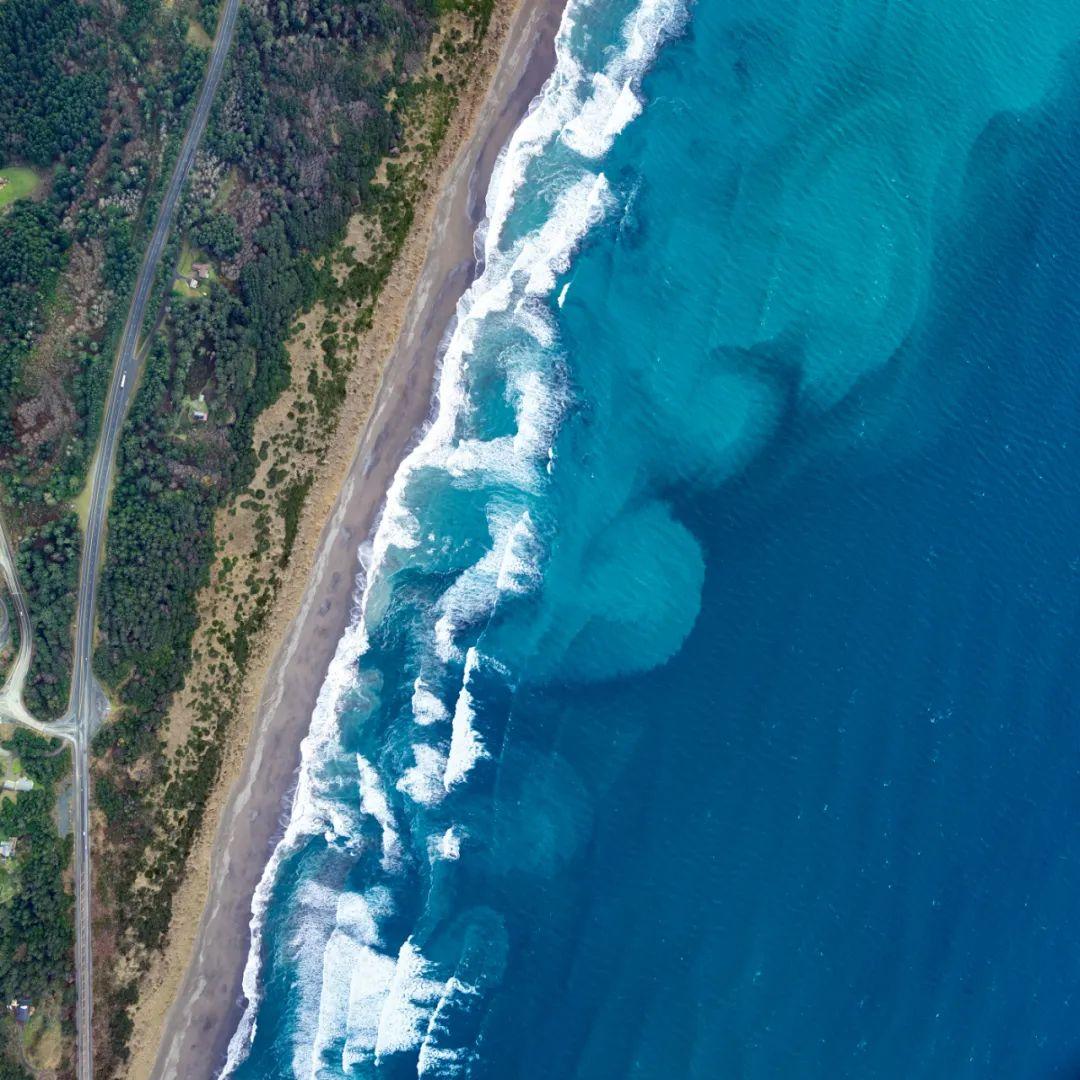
(714, 708)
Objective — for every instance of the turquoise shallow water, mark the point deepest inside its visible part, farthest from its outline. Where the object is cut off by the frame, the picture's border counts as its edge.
(713, 708)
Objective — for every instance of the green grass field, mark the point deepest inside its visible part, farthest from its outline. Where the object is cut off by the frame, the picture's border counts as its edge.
(189, 255)
(196, 35)
(226, 189)
(43, 1037)
(20, 183)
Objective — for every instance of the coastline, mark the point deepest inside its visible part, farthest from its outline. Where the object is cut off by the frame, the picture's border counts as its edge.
(191, 1001)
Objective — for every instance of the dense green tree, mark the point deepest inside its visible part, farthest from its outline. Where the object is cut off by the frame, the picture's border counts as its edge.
(13, 1070)
(32, 248)
(48, 563)
(49, 108)
(217, 233)
(36, 930)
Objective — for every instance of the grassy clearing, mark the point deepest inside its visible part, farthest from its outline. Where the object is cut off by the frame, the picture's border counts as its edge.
(196, 35)
(81, 505)
(10, 769)
(20, 183)
(9, 883)
(226, 189)
(42, 1038)
(185, 273)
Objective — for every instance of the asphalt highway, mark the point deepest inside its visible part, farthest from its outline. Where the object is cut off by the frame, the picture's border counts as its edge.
(86, 702)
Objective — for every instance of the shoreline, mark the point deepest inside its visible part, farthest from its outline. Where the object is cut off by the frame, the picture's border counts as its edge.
(192, 1001)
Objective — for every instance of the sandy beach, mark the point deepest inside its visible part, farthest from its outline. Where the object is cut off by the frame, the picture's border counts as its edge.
(193, 1001)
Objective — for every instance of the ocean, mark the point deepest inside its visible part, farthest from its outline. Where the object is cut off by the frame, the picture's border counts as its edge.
(712, 704)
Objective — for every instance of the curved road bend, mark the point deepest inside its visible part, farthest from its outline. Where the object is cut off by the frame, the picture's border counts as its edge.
(86, 696)
(11, 704)
(12, 709)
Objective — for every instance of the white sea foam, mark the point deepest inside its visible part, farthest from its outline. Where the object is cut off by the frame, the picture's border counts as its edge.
(423, 782)
(515, 460)
(435, 1057)
(519, 563)
(588, 109)
(355, 981)
(336, 937)
(466, 747)
(577, 210)
(374, 801)
(535, 260)
(548, 113)
(447, 846)
(536, 321)
(613, 101)
(329, 1002)
(414, 990)
(510, 566)
(370, 975)
(349, 974)
(426, 707)
(309, 816)
(370, 1002)
(358, 914)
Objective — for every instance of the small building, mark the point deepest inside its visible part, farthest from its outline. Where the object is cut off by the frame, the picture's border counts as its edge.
(193, 283)
(201, 270)
(23, 783)
(22, 1009)
(199, 414)
(7, 849)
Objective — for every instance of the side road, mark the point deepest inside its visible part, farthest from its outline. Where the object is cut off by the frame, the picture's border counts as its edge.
(12, 708)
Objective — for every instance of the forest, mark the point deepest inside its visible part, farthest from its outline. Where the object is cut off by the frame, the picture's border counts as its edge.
(48, 563)
(36, 931)
(50, 109)
(51, 116)
(232, 344)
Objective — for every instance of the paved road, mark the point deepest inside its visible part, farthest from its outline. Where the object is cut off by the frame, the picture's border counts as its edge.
(85, 704)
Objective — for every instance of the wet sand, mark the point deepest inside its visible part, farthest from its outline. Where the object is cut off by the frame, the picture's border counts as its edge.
(207, 1004)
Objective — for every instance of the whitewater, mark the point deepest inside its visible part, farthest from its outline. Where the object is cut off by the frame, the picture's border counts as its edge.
(355, 989)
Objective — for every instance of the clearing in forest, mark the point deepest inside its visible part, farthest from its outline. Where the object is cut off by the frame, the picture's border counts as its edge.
(16, 182)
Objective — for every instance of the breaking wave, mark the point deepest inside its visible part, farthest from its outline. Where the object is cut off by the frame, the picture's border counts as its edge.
(366, 991)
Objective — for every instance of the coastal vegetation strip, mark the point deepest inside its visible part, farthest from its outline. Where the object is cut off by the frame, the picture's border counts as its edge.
(323, 138)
